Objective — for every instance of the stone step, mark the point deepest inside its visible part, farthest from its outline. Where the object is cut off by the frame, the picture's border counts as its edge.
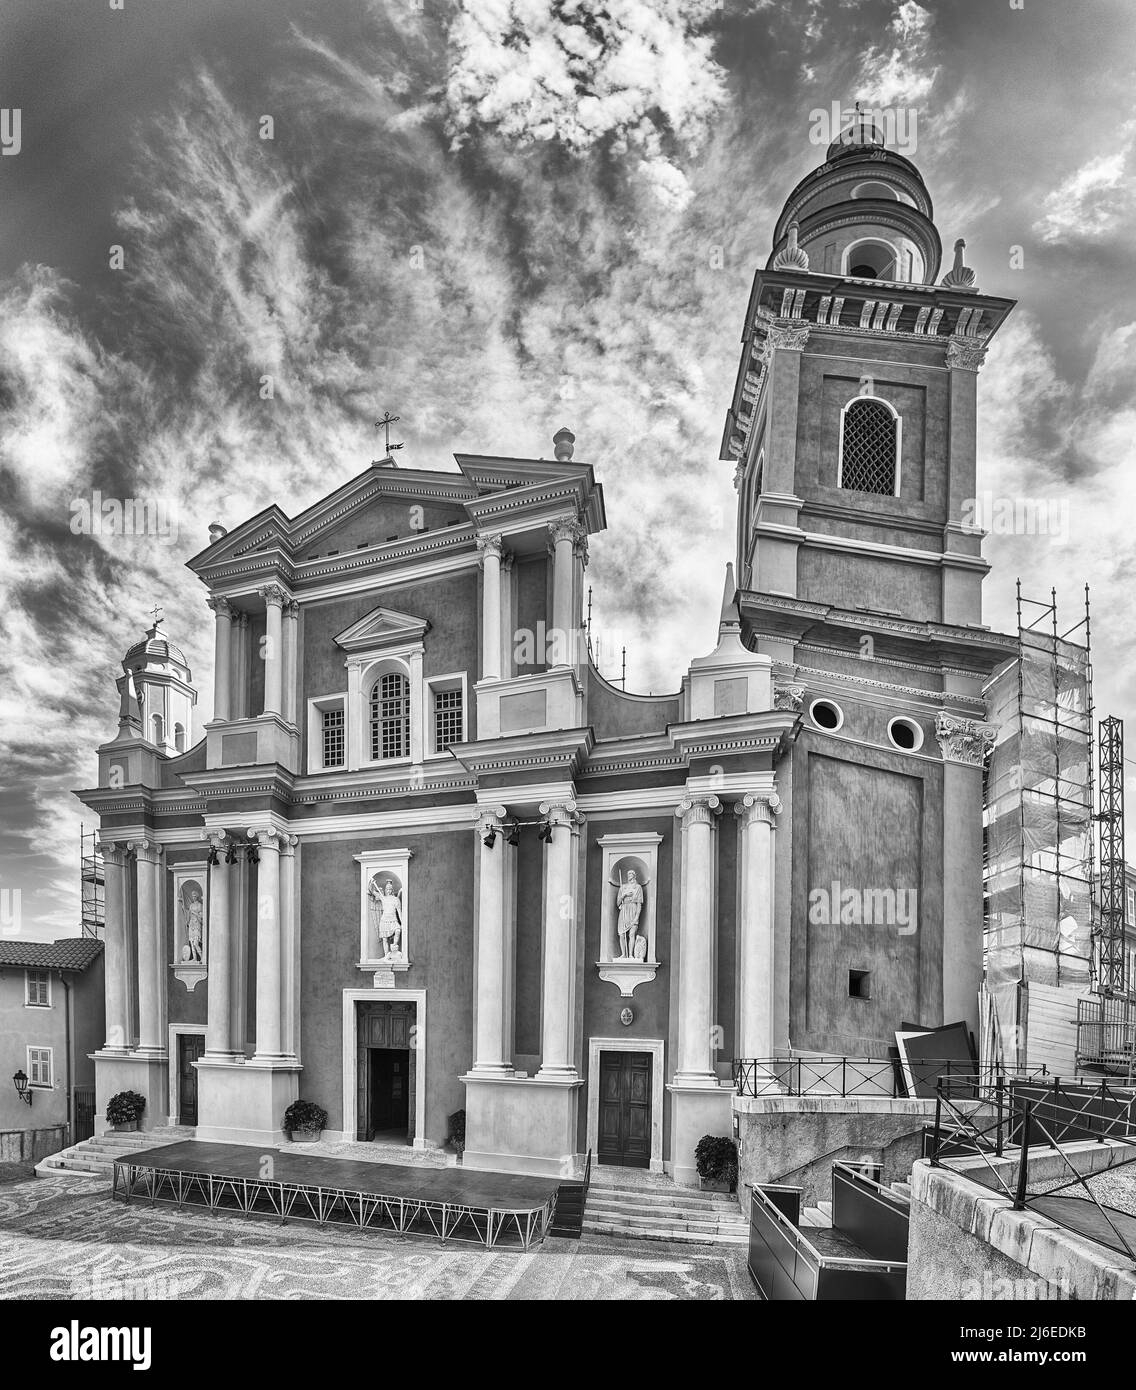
(680, 1220)
(666, 1196)
(677, 1214)
(826, 1208)
(592, 1226)
(902, 1188)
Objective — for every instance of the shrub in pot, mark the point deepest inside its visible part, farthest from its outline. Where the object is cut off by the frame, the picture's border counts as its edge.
(716, 1159)
(304, 1121)
(124, 1110)
(456, 1135)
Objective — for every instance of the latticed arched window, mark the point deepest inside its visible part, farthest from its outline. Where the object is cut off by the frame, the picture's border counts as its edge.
(869, 446)
(390, 716)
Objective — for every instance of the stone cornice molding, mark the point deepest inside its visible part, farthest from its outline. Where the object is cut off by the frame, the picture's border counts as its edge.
(963, 741)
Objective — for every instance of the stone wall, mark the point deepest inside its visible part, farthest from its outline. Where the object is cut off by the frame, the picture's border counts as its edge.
(967, 1243)
(30, 1145)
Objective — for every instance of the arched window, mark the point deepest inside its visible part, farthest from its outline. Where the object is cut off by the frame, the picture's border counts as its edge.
(869, 447)
(159, 730)
(390, 716)
(179, 738)
(872, 260)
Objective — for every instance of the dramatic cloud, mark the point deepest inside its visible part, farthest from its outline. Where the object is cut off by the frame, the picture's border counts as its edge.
(1095, 200)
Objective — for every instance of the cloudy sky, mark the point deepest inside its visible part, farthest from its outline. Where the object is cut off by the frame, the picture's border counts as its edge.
(494, 218)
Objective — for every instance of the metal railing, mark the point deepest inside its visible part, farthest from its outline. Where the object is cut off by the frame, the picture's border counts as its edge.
(860, 1076)
(1106, 1034)
(1030, 1116)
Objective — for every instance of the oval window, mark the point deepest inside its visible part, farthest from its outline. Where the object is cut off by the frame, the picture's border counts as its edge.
(826, 715)
(905, 734)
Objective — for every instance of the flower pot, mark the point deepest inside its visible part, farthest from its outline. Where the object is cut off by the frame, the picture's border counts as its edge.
(305, 1136)
(714, 1185)
(126, 1127)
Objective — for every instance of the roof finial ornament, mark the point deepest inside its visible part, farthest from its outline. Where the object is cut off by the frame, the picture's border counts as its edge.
(791, 256)
(960, 276)
(385, 424)
(563, 441)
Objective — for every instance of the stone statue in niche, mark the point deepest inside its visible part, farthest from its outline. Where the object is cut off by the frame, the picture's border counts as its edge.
(193, 921)
(386, 916)
(629, 905)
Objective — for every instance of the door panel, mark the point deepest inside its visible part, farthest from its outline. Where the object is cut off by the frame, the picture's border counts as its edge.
(624, 1136)
(190, 1048)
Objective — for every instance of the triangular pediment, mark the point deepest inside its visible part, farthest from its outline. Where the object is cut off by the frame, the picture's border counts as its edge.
(382, 627)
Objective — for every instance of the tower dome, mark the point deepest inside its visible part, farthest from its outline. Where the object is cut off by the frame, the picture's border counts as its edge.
(865, 213)
(155, 691)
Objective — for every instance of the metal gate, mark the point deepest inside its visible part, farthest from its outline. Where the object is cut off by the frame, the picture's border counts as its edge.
(84, 1114)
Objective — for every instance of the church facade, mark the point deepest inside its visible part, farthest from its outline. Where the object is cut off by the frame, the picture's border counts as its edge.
(425, 858)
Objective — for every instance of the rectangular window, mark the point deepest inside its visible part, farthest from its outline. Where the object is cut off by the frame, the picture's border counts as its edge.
(39, 1066)
(333, 751)
(1130, 906)
(38, 988)
(447, 718)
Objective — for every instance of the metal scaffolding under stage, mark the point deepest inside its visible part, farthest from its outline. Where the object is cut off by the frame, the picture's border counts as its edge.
(497, 1210)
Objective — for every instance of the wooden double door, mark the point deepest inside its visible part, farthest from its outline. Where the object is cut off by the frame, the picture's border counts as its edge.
(624, 1137)
(385, 1079)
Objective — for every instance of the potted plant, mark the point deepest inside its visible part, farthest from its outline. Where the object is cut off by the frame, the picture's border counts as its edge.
(456, 1135)
(304, 1121)
(124, 1110)
(716, 1159)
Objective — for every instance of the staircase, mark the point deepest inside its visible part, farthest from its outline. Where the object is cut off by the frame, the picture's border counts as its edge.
(821, 1214)
(618, 1205)
(94, 1158)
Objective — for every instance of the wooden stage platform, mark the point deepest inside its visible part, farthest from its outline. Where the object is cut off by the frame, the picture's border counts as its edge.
(495, 1209)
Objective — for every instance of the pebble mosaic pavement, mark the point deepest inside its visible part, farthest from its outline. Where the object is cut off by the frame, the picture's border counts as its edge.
(65, 1238)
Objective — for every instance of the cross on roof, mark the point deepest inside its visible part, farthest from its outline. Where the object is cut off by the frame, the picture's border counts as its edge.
(157, 614)
(385, 425)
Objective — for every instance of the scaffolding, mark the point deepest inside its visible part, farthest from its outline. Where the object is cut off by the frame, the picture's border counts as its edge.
(92, 884)
(1111, 980)
(1038, 823)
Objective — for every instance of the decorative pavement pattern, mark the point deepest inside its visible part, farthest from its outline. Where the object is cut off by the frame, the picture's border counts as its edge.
(65, 1238)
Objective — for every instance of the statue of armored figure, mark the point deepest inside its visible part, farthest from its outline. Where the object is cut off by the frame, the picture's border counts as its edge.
(194, 908)
(629, 904)
(386, 917)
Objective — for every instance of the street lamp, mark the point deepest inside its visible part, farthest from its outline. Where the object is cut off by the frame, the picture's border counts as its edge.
(20, 1081)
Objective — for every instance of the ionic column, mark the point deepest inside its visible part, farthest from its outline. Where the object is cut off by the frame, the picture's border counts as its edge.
(491, 550)
(755, 943)
(695, 1061)
(218, 957)
(268, 995)
(288, 845)
(558, 987)
(492, 1046)
(222, 663)
(151, 955)
(291, 632)
(274, 600)
(116, 954)
(565, 536)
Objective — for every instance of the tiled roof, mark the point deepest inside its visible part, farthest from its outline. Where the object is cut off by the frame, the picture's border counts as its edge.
(70, 953)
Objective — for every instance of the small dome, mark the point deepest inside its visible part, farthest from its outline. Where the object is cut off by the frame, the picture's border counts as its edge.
(861, 132)
(156, 645)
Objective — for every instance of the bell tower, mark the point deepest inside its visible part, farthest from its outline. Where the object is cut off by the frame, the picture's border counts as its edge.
(156, 691)
(852, 432)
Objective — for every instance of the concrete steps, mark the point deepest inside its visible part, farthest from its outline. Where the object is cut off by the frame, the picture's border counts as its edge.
(666, 1213)
(94, 1158)
(815, 1217)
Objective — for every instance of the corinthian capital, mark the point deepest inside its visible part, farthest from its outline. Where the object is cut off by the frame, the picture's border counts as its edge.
(274, 594)
(566, 530)
(758, 807)
(221, 606)
(490, 546)
(963, 740)
(788, 696)
(784, 335)
(965, 353)
(697, 810)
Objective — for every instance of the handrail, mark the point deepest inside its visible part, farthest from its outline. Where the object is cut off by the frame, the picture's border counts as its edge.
(844, 1076)
(800, 1242)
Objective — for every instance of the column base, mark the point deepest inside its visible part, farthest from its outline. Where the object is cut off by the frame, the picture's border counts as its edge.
(241, 1102)
(145, 1072)
(522, 1124)
(489, 1070)
(696, 1109)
